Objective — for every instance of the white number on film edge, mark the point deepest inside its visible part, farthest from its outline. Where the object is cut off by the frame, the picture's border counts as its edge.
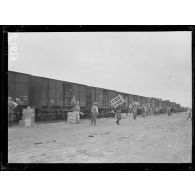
(13, 46)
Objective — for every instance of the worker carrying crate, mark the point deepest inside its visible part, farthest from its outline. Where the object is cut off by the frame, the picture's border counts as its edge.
(117, 102)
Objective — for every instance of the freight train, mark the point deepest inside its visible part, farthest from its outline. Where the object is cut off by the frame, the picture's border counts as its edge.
(52, 99)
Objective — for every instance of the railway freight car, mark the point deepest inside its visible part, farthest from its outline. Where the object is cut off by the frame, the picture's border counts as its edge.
(53, 99)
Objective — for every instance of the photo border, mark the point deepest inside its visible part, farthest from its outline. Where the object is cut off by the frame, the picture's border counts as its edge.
(83, 166)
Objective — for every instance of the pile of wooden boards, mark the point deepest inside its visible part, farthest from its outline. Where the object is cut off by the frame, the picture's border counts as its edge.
(117, 101)
(28, 117)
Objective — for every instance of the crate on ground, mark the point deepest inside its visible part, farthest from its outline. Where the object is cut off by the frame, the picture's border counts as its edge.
(71, 117)
(26, 122)
(117, 101)
(28, 117)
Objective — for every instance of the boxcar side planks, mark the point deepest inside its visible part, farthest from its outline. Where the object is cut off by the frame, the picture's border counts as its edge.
(52, 98)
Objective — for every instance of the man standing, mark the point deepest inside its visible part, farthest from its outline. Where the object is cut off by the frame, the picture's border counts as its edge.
(135, 112)
(130, 107)
(189, 114)
(118, 115)
(156, 111)
(94, 114)
(11, 106)
(143, 110)
(169, 111)
(77, 112)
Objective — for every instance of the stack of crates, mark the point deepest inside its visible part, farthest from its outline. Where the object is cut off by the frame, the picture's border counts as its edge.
(71, 117)
(28, 117)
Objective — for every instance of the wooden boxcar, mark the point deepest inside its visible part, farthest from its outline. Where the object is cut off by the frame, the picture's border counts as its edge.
(19, 87)
(53, 98)
(18, 90)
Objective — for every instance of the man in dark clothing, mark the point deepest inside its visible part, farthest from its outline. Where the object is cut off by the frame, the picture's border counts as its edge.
(143, 111)
(135, 112)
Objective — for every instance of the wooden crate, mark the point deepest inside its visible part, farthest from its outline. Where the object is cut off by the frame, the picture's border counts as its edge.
(28, 117)
(117, 101)
(71, 118)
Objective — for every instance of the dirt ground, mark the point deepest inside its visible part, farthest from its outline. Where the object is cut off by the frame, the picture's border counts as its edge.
(153, 139)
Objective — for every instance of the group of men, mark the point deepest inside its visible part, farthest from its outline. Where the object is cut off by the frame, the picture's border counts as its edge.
(133, 108)
(94, 113)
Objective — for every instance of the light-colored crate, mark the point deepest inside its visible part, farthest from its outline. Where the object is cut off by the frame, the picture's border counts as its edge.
(117, 101)
(71, 118)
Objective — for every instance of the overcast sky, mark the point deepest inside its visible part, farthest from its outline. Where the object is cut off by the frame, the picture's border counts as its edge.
(151, 64)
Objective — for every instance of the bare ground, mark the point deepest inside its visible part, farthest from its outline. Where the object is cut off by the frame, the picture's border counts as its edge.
(154, 139)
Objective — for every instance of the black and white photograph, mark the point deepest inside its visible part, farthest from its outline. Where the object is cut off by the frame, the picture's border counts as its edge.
(100, 97)
(97, 97)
